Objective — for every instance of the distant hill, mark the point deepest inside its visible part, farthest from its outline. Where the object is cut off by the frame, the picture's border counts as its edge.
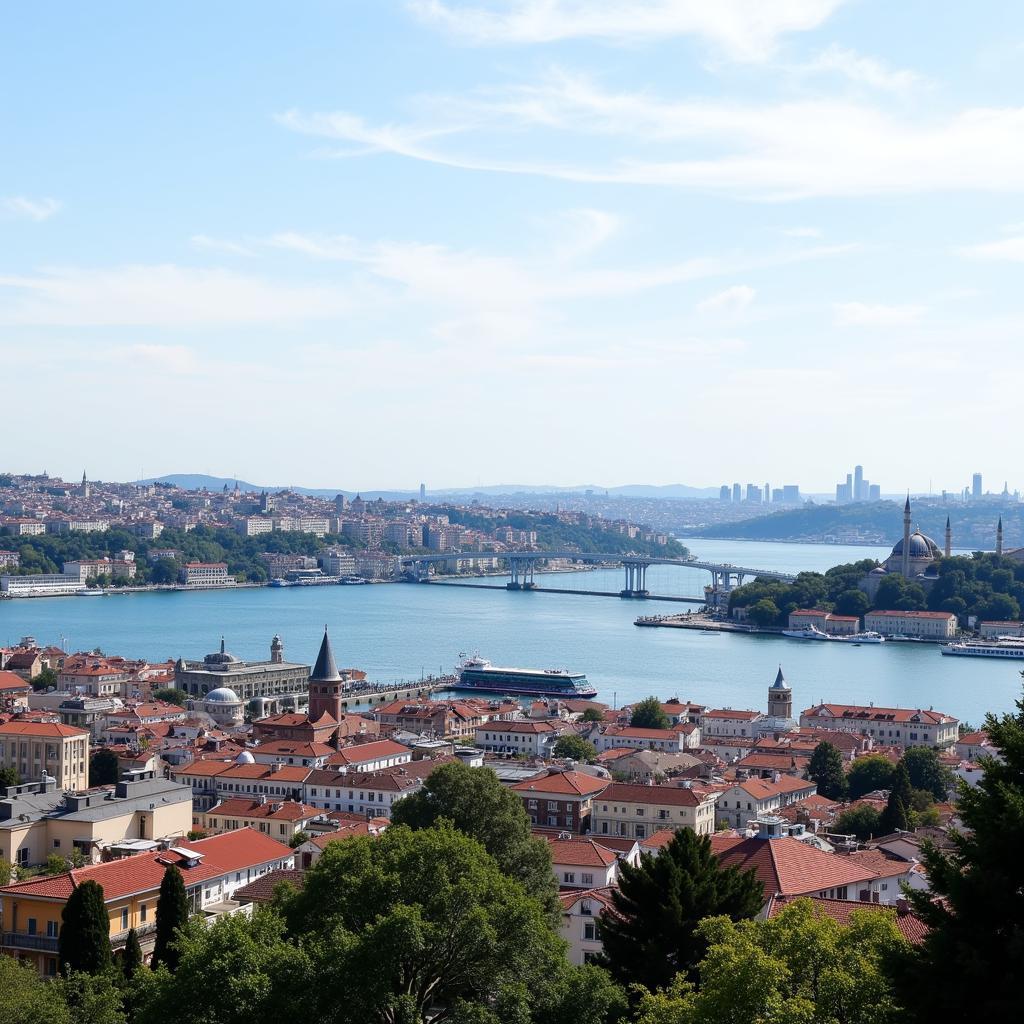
(197, 481)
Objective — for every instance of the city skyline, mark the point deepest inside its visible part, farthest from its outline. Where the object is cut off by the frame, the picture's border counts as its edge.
(574, 241)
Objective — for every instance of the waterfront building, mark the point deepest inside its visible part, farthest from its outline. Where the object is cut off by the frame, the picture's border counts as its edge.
(826, 622)
(276, 685)
(205, 574)
(896, 727)
(338, 562)
(928, 625)
(637, 811)
(994, 630)
(38, 749)
(212, 869)
(914, 557)
(39, 585)
(122, 567)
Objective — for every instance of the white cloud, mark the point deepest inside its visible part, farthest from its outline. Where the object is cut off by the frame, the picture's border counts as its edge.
(220, 245)
(732, 300)
(174, 359)
(806, 232)
(1011, 249)
(860, 314)
(860, 69)
(774, 151)
(747, 30)
(32, 209)
(162, 295)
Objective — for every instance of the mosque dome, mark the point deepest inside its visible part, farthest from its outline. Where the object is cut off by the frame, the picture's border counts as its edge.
(244, 757)
(880, 570)
(222, 695)
(920, 546)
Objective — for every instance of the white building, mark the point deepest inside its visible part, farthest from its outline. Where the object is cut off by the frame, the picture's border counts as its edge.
(534, 739)
(899, 727)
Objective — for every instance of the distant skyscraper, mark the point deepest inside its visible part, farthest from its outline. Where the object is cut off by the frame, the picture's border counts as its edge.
(725, 493)
(842, 494)
(737, 493)
(976, 485)
(767, 493)
(423, 491)
(875, 492)
(791, 494)
(776, 495)
(858, 483)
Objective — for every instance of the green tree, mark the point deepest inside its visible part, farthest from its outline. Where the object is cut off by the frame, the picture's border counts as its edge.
(798, 966)
(925, 771)
(863, 822)
(171, 695)
(592, 715)
(171, 914)
(652, 931)
(6, 871)
(429, 924)
(575, 747)
(9, 777)
(45, 680)
(648, 714)
(896, 816)
(27, 998)
(826, 771)
(234, 971)
(764, 613)
(869, 773)
(298, 839)
(131, 959)
(103, 768)
(92, 998)
(476, 803)
(84, 942)
(852, 602)
(975, 906)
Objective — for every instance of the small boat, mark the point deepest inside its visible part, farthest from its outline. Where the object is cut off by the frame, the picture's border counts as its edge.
(91, 592)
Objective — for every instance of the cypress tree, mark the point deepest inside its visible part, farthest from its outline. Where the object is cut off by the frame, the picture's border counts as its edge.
(171, 914)
(131, 959)
(896, 815)
(85, 931)
(826, 770)
(651, 932)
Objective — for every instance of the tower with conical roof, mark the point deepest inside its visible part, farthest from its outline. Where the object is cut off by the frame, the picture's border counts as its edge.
(780, 698)
(326, 684)
(999, 537)
(948, 549)
(905, 565)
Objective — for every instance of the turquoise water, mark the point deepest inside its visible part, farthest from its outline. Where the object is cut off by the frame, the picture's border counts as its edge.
(400, 631)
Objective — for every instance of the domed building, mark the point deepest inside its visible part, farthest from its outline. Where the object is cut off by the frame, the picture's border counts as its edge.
(223, 705)
(914, 557)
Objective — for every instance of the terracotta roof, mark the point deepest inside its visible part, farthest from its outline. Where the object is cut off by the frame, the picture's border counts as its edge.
(262, 890)
(351, 829)
(787, 866)
(563, 783)
(914, 615)
(24, 728)
(296, 748)
(745, 716)
(629, 732)
(657, 840)
(581, 853)
(911, 927)
(275, 810)
(765, 789)
(360, 753)
(857, 712)
(627, 793)
(602, 895)
(10, 681)
(517, 726)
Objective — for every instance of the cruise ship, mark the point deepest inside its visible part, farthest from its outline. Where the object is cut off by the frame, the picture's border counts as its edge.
(479, 674)
(1007, 647)
(813, 633)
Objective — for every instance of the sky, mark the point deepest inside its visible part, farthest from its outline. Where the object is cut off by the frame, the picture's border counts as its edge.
(369, 243)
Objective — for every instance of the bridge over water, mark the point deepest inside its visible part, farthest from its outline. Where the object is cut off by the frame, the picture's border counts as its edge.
(521, 566)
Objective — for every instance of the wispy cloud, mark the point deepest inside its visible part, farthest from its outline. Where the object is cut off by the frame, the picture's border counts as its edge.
(860, 69)
(731, 301)
(31, 209)
(756, 150)
(1009, 249)
(747, 30)
(206, 242)
(861, 314)
(173, 359)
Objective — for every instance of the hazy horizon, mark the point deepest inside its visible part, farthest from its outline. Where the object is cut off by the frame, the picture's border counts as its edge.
(467, 240)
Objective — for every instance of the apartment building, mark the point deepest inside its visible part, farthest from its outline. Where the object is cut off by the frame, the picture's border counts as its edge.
(32, 748)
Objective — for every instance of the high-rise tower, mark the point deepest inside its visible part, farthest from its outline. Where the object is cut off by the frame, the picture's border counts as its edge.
(905, 566)
(948, 550)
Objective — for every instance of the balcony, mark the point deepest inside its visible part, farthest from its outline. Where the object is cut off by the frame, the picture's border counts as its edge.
(22, 940)
(120, 938)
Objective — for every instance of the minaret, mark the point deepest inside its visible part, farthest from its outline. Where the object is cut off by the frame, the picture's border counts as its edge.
(326, 684)
(85, 485)
(948, 550)
(999, 537)
(905, 566)
(780, 698)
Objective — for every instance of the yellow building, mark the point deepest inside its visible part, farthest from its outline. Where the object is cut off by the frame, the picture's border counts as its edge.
(37, 819)
(212, 869)
(32, 748)
(637, 812)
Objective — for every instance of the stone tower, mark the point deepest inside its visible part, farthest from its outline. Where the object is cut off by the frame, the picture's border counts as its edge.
(999, 537)
(905, 566)
(326, 684)
(948, 549)
(276, 650)
(780, 698)
(86, 489)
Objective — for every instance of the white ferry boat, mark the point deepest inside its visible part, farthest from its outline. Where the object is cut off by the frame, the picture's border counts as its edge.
(810, 633)
(478, 674)
(1009, 647)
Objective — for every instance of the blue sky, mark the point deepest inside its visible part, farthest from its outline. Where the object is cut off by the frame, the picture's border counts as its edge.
(365, 244)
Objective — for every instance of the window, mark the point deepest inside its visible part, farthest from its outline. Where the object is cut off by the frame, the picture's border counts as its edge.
(124, 919)
(51, 967)
(588, 930)
(639, 812)
(56, 844)
(52, 929)
(31, 926)
(144, 910)
(570, 877)
(587, 878)
(585, 908)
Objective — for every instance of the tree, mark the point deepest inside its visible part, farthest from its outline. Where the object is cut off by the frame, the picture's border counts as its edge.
(797, 966)
(84, 943)
(429, 924)
(869, 773)
(925, 771)
(92, 998)
(45, 680)
(651, 930)
(27, 998)
(298, 839)
(171, 915)
(826, 770)
(6, 871)
(852, 602)
(575, 747)
(476, 803)
(171, 695)
(592, 715)
(9, 777)
(896, 816)
(648, 714)
(863, 822)
(131, 959)
(103, 768)
(975, 909)
(764, 613)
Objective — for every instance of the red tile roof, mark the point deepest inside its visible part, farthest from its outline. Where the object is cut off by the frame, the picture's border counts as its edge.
(676, 796)
(360, 753)
(563, 784)
(581, 853)
(912, 927)
(857, 712)
(25, 728)
(273, 810)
